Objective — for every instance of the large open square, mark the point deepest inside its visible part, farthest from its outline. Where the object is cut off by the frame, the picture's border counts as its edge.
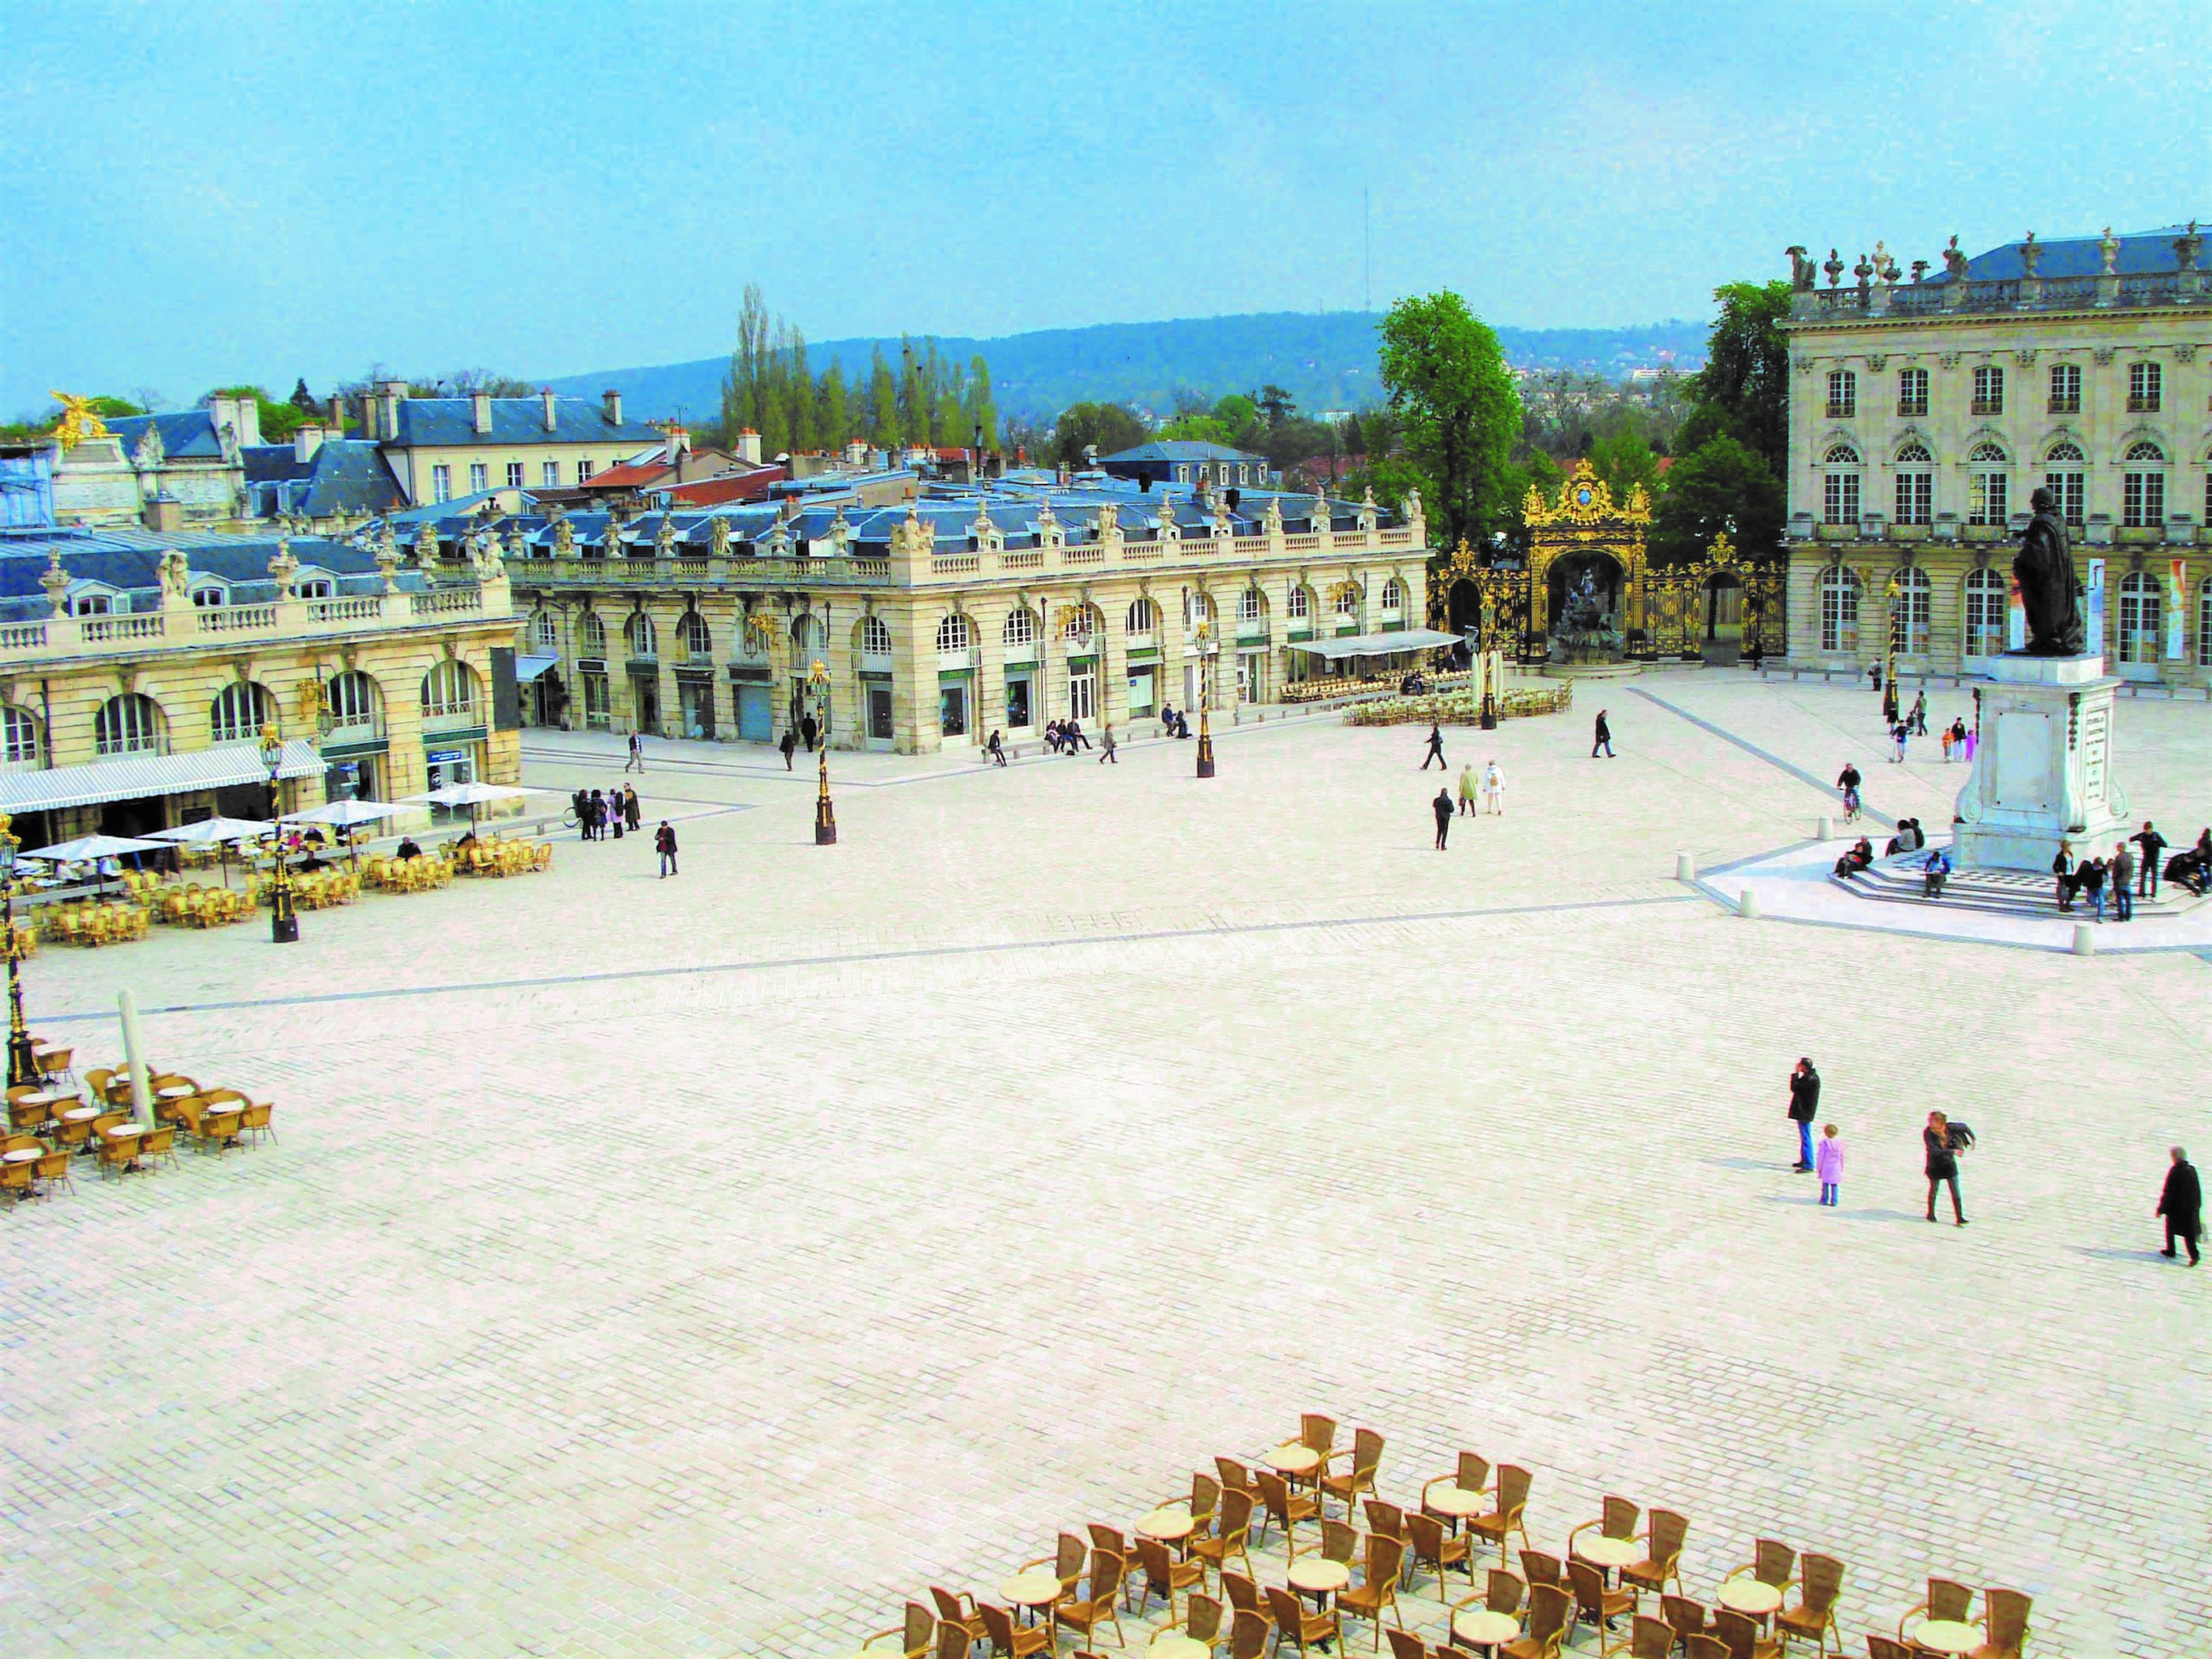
(709, 1265)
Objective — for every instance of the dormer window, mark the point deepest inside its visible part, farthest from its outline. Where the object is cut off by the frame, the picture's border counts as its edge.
(210, 595)
(91, 602)
(313, 583)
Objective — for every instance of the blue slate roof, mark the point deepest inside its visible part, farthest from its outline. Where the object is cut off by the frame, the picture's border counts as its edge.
(2141, 252)
(130, 560)
(1180, 449)
(432, 421)
(345, 475)
(189, 433)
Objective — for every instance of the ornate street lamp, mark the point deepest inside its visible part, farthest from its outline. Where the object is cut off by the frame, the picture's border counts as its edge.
(22, 1064)
(283, 923)
(825, 815)
(1206, 647)
(1894, 593)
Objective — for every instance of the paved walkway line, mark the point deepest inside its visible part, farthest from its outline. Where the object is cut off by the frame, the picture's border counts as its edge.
(918, 953)
(1774, 760)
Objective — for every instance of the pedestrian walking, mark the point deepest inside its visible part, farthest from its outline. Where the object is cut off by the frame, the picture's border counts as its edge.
(995, 748)
(1435, 748)
(808, 731)
(2091, 875)
(632, 814)
(1918, 719)
(636, 760)
(1443, 805)
(1827, 1161)
(664, 844)
(790, 743)
(2153, 845)
(2062, 870)
(1108, 749)
(1467, 790)
(1946, 746)
(1875, 675)
(1898, 733)
(2122, 870)
(1804, 1106)
(1972, 739)
(1944, 1141)
(2182, 1205)
(1494, 789)
(1602, 738)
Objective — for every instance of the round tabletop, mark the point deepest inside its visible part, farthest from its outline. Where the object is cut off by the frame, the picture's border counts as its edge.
(1608, 1552)
(1318, 1578)
(1178, 1647)
(1169, 1524)
(1484, 1628)
(173, 1091)
(1750, 1596)
(24, 1155)
(123, 1131)
(1455, 1501)
(82, 1114)
(1294, 1459)
(1948, 1635)
(40, 1097)
(1038, 1587)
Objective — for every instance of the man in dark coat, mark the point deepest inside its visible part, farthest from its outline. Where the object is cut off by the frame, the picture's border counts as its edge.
(1443, 805)
(2154, 846)
(2182, 1205)
(1804, 1106)
(1602, 736)
(2044, 573)
(1435, 749)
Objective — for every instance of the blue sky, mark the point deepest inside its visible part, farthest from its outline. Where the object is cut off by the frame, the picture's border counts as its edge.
(210, 193)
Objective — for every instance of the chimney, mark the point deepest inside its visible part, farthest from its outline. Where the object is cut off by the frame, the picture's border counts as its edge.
(611, 402)
(679, 441)
(480, 409)
(749, 447)
(337, 414)
(546, 397)
(389, 394)
(305, 442)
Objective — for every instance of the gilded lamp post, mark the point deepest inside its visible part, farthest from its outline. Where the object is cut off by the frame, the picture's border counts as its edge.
(1205, 697)
(23, 1064)
(825, 815)
(1895, 593)
(283, 922)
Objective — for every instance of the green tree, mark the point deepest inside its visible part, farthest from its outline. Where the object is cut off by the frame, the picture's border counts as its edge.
(278, 421)
(981, 410)
(882, 403)
(1623, 459)
(1743, 391)
(1721, 485)
(302, 399)
(1450, 388)
(1109, 427)
(1276, 404)
(833, 416)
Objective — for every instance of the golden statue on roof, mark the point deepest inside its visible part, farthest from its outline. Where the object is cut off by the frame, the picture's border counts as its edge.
(79, 421)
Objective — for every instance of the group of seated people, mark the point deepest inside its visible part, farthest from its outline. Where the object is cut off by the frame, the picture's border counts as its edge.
(1064, 736)
(2192, 870)
(1172, 724)
(1909, 838)
(1414, 685)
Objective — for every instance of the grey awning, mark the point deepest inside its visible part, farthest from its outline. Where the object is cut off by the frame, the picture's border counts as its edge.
(134, 776)
(1376, 644)
(529, 667)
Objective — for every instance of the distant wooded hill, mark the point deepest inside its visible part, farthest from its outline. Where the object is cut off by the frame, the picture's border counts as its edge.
(1325, 361)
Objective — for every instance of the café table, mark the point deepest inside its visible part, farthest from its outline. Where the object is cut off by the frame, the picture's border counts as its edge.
(1948, 1635)
(1168, 1646)
(1171, 1523)
(1749, 1598)
(23, 1155)
(1033, 1591)
(1319, 1578)
(1455, 1504)
(1609, 1554)
(1478, 1627)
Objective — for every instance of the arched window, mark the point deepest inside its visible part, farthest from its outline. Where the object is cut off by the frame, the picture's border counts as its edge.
(24, 743)
(1020, 627)
(1843, 395)
(639, 635)
(1394, 597)
(352, 699)
(1840, 494)
(2146, 386)
(544, 631)
(1250, 605)
(1915, 484)
(208, 595)
(1077, 625)
(450, 691)
(1912, 602)
(1144, 616)
(1301, 605)
(2062, 477)
(808, 634)
(591, 633)
(1987, 598)
(1989, 497)
(2141, 605)
(698, 639)
(2143, 486)
(129, 724)
(1839, 610)
(952, 633)
(239, 712)
(1197, 609)
(91, 604)
(875, 637)
(1348, 600)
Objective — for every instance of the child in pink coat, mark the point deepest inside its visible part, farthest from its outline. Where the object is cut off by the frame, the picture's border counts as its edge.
(1827, 1163)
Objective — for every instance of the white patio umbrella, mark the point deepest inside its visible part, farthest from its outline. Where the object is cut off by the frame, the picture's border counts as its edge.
(344, 815)
(218, 833)
(474, 795)
(93, 848)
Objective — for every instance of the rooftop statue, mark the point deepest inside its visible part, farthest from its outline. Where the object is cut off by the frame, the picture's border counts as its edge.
(79, 421)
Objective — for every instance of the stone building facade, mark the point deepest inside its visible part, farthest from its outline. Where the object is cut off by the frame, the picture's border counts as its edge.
(1922, 413)
(136, 673)
(937, 622)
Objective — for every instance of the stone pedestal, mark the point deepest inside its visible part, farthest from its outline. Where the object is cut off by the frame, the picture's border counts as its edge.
(2043, 769)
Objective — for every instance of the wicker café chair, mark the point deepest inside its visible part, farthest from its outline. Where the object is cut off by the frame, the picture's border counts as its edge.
(1649, 1638)
(1206, 1499)
(1513, 1484)
(1947, 1599)
(1339, 1542)
(1066, 1562)
(1619, 1522)
(2005, 1622)
(1472, 1476)
(15, 1180)
(1539, 1566)
(1201, 1621)
(1773, 1564)
(1366, 1455)
(1303, 1629)
(1387, 1518)
(1010, 1640)
(1318, 1433)
(1377, 1589)
(253, 1122)
(1234, 1477)
(1285, 1506)
(1687, 1617)
(1705, 1647)
(52, 1172)
(1549, 1609)
(1244, 1596)
(1662, 1552)
(1504, 1595)
(957, 1608)
(158, 1144)
(1435, 1548)
(916, 1633)
(1163, 1575)
(1820, 1586)
(1404, 1644)
(1248, 1636)
(1231, 1534)
(1739, 1634)
(1887, 1647)
(1594, 1604)
(1101, 1606)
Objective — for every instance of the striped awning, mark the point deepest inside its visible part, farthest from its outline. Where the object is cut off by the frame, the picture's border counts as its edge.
(136, 776)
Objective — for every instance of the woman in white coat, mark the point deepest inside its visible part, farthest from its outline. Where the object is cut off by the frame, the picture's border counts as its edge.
(1493, 790)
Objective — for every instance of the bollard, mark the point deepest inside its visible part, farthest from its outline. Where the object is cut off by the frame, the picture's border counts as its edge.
(1685, 866)
(2085, 940)
(1826, 829)
(1747, 905)
(134, 1054)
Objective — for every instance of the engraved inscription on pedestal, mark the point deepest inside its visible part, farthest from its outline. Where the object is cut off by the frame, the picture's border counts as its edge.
(2023, 752)
(2095, 738)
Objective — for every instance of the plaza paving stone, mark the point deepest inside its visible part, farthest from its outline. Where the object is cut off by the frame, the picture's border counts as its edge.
(705, 1265)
